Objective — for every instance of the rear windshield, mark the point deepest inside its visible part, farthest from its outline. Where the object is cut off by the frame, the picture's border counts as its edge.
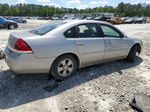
(47, 27)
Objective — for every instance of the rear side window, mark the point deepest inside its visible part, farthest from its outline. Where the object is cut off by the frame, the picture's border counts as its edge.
(47, 28)
(109, 31)
(69, 33)
(87, 30)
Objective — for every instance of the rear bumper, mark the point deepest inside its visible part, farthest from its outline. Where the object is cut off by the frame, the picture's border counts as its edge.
(27, 63)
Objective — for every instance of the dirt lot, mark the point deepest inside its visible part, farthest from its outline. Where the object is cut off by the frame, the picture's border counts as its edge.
(106, 87)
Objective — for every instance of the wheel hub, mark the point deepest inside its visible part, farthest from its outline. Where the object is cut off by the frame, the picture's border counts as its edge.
(65, 67)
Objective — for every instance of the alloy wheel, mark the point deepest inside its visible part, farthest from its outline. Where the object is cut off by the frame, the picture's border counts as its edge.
(65, 67)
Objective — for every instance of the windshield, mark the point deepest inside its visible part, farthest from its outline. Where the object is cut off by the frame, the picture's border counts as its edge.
(47, 27)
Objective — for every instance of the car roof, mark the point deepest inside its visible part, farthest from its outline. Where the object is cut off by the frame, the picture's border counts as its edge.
(85, 21)
(1, 17)
(71, 23)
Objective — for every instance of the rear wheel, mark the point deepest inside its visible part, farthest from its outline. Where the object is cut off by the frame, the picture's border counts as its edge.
(11, 27)
(1, 54)
(132, 54)
(64, 67)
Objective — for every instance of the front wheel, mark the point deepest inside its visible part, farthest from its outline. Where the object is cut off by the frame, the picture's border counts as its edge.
(64, 67)
(132, 54)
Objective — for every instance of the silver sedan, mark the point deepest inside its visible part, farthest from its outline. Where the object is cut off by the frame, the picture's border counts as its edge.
(61, 47)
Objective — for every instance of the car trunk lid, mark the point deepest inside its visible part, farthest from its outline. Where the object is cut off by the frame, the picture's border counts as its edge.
(14, 36)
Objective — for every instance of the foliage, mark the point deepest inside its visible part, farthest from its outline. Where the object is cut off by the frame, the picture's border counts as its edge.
(133, 9)
(38, 10)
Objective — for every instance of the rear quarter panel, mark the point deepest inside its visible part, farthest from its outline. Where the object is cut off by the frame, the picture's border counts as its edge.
(50, 47)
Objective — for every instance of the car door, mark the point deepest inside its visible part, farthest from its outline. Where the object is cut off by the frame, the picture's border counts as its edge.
(1, 22)
(116, 44)
(89, 43)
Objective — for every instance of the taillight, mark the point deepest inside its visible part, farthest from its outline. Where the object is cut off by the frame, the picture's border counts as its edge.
(21, 45)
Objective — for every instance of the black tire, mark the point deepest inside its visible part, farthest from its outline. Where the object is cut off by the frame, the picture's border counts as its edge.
(55, 72)
(11, 27)
(132, 54)
(1, 54)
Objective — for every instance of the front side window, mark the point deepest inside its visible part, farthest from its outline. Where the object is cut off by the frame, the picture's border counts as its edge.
(109, 31)
(87, 30)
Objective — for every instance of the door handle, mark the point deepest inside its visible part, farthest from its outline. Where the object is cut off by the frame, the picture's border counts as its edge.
(108, 42)
(81, 44)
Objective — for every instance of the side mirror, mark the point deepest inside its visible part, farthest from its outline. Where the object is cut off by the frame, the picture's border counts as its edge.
(121, 35)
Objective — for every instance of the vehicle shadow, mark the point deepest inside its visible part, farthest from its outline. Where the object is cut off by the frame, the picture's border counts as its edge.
(16, 90)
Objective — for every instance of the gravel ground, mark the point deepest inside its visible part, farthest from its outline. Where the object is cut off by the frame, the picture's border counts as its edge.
(106, 87)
